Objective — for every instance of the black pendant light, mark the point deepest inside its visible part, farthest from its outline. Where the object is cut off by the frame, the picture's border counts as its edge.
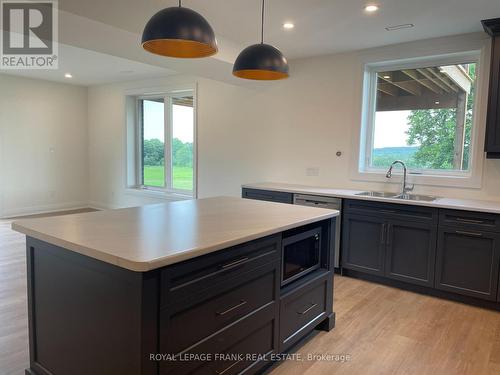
(261, 61)
(179, 32)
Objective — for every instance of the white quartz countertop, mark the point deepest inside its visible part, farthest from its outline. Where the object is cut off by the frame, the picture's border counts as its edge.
(450, 203)
(153, 236)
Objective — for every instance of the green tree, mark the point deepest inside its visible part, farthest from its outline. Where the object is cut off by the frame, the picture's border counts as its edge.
(153, 150)
(182, 153)
(434, 131)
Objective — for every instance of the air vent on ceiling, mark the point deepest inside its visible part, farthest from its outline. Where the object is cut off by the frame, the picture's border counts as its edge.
(400, 27)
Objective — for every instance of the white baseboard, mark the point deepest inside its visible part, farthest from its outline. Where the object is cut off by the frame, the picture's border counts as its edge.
(43, 209)
(101, 206)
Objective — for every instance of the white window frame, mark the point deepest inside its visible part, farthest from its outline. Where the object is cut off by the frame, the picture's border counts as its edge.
(134, 147)
(449, 178)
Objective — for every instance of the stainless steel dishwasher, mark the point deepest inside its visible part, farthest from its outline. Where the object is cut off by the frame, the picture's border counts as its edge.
(324, 202)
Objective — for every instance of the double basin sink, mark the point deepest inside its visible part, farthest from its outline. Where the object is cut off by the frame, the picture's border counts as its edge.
(408, 197)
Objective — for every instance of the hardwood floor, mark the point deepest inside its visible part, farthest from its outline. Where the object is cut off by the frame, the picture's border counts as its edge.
(383, 330)
(390, 331)
(13, 302)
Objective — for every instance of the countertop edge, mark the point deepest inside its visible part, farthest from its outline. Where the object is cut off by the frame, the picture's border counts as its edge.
(145, 266)
(440, 202)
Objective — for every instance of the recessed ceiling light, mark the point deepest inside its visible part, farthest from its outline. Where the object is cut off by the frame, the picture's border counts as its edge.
(288, 25)
(68, 75)
(371, 8)
(387, 77)
(437, 102)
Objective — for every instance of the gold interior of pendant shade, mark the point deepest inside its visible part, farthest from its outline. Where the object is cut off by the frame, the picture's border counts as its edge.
(260, 75)
(179, 48)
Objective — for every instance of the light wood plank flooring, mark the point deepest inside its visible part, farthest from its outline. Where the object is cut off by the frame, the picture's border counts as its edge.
(383, 330)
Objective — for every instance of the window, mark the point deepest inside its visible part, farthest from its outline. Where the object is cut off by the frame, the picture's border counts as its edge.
(420, 113)
(166, 143)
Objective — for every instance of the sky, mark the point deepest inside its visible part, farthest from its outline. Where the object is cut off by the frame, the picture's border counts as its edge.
(154, 125)
(390, 129)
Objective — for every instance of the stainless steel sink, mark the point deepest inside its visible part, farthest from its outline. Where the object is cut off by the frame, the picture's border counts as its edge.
(416, 197)
(378, 194)
(408, 197)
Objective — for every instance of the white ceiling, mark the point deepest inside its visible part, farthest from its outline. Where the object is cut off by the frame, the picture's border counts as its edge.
(321, 26)
(100, 39)
(91, 68)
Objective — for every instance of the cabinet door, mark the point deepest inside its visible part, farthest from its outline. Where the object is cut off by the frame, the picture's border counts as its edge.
(467, 262)
(363, 241)
(493, 121)
(411, 252)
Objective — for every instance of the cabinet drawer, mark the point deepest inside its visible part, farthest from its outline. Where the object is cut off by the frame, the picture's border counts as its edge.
(303, 309)
(470, 220)
(391, 210)
(237, 349)
(184, 327)
(193, 277)
(266, 195)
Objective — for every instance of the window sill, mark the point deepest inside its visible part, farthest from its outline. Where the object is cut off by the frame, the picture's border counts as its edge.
(473, 181)
(158, 194)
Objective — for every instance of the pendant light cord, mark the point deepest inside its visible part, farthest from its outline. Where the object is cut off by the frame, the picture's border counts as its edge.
(180, 4)
(262, 26)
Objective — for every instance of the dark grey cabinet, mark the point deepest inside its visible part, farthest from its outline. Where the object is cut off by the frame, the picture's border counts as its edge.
(410, 252)
(267, 195)
(492, 145)
(498, 296)
(398, 242)
(451, 253)
(363, 243)
(468, 262)
(220, 313)
(302, 309)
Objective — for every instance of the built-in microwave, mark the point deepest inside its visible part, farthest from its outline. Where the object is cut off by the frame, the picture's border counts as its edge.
(301, 254)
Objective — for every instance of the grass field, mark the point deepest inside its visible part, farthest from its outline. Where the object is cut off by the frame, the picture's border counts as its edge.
(182, 177)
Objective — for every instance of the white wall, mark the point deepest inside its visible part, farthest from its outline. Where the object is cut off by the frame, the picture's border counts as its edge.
(232, 142)
(270, 133)
(43, 146)
(317, 112)
(267, 132)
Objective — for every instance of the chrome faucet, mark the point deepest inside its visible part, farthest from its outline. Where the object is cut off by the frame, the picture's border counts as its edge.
(405, 188)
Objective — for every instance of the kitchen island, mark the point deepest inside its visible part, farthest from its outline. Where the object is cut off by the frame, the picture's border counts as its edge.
(199, 286)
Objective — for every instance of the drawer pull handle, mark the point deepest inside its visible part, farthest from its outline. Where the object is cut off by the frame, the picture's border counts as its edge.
(235, 263)
(308, 309)
(222, 313)
(473, 234)
(388, 211)
(227, 368)
(470, 221)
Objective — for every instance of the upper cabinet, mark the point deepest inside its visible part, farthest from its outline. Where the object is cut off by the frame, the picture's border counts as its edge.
(492, 146)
